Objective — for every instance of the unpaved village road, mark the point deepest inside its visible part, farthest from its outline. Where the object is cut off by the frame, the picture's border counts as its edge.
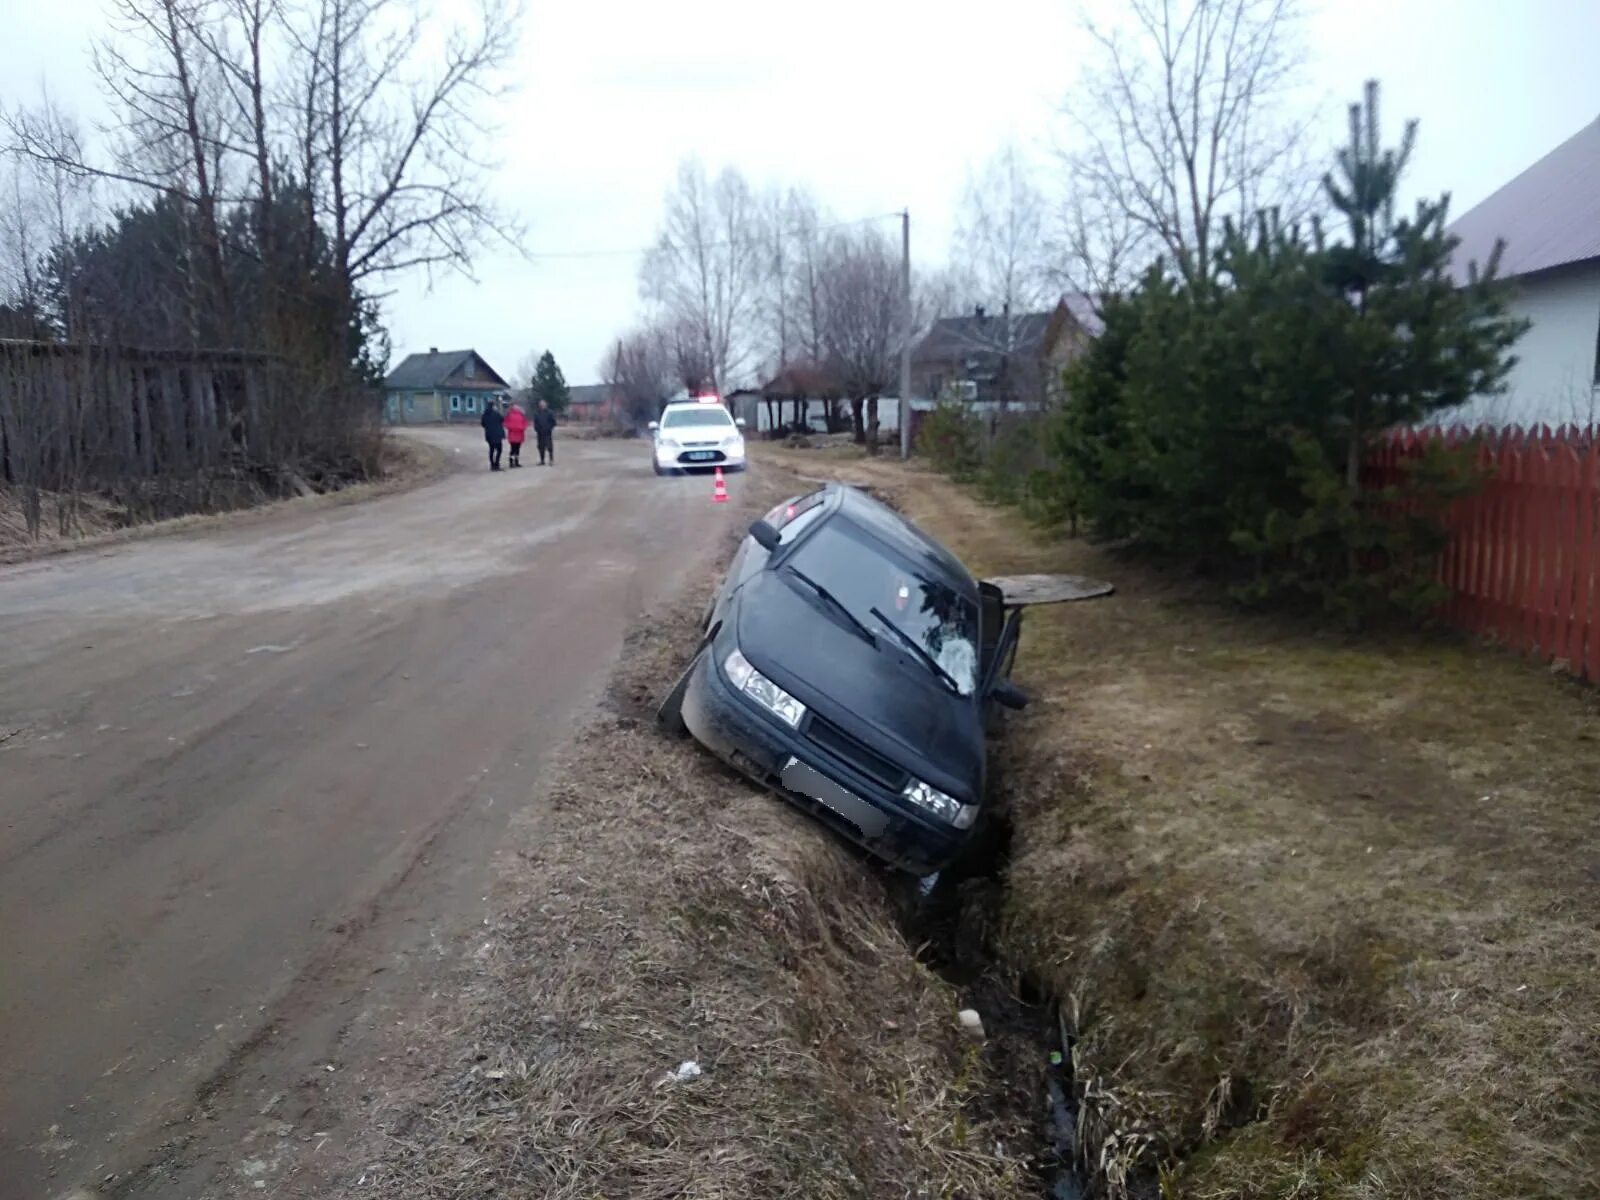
(250, 766)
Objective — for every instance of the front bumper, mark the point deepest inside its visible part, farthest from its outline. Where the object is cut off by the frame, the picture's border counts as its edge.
(700, 458)
(781, 759)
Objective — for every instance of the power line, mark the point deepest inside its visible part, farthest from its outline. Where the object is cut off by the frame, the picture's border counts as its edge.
(722, 245)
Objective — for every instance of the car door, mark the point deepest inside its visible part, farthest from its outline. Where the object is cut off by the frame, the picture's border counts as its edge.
(1000, 654)
(991, 623)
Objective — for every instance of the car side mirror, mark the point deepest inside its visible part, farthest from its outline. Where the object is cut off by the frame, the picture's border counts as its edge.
(654, 425)
(765, 535)
(1009, 695)
(739, 421)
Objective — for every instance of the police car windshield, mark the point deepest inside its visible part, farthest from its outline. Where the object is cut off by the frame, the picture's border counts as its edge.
(682, 418)
(865, 575)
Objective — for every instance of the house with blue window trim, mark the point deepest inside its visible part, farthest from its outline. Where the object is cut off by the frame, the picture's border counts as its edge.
(442, 386)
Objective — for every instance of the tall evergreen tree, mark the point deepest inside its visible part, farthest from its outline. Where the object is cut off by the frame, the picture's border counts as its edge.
(549, 384)
(1419, 344)
(1228, 418)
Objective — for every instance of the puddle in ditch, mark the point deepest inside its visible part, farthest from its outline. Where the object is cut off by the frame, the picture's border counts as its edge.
(953, 920)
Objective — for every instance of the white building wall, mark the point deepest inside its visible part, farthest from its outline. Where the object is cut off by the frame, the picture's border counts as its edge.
(816, 413)
(1553, 382)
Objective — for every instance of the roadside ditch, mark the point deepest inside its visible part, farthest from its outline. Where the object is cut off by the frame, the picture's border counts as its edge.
(694, 990)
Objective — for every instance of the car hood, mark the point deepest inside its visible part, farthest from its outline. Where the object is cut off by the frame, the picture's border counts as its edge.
(879, 696)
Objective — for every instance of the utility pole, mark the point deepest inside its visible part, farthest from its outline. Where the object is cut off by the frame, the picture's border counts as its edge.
(905, 344)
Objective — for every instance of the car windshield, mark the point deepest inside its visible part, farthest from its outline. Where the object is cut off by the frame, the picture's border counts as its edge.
(866, 576)
(683, 418)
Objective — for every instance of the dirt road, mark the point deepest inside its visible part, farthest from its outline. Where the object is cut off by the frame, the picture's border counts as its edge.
(242, 772)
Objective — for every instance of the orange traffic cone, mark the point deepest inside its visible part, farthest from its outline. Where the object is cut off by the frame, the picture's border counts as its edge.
(719, 493)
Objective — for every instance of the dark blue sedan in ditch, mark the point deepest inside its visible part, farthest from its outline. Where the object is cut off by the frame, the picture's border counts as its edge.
(851, 663)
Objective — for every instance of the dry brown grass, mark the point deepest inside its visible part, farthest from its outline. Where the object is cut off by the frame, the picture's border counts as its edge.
(406, 464)
(659, 910)
(1328, 910)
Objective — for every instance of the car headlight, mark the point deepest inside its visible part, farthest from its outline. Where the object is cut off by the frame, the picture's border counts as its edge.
(947, 808)
(668, 444)
(763, 691)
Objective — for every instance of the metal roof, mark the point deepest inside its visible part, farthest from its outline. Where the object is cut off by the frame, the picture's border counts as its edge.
(1083, 312)
(961, 337)
(590, 393)
(420, 372)
(1549, 215)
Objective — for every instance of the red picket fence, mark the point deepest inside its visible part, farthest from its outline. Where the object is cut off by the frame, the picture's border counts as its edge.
(1523, 563)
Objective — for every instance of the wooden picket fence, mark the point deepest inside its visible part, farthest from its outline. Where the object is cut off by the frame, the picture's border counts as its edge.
(1523, 560)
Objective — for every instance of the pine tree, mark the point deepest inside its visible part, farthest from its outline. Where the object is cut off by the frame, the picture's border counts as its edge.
(1227, 419)
(1417, 344)
(549, 384)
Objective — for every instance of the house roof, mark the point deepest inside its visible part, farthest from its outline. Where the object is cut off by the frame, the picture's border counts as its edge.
(590, 393)
(1549, 215)
(1081, 309)
(802, 378)
(419, 372)
(991, 333)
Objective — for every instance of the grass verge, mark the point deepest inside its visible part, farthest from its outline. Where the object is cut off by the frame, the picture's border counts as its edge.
(1327, 911)
(407, 464)
(659, 911)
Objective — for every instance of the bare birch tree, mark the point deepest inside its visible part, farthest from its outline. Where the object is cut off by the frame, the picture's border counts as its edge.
(1187, 118)
(641, 371)
(24, 234)
(704, 274)
(376, 123)
(999, 242)
(863, 319)
(399, 121)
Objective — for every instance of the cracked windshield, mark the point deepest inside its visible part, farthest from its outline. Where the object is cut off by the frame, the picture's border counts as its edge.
(876, 586)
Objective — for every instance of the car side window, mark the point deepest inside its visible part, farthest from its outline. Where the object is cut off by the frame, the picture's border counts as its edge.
(795, 525)
(753, 558)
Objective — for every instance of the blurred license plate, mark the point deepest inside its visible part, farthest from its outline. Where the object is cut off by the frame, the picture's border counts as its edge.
(701, 455)
(808, 781)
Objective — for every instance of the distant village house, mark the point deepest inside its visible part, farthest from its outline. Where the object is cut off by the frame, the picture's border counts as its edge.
(442, 386)
(1005, 359)
(593, 404)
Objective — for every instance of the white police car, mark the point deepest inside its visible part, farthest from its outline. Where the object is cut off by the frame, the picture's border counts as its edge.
(697, 434)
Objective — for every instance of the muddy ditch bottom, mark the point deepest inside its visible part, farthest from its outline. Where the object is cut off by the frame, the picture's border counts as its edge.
(951, 919)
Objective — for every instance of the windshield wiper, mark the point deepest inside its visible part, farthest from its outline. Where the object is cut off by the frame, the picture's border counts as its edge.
(834, 603)
(917, 648)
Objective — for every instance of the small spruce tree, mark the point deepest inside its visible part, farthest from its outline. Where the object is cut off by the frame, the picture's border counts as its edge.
(549, 384)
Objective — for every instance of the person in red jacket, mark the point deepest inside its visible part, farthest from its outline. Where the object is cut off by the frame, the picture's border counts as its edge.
(516, 431)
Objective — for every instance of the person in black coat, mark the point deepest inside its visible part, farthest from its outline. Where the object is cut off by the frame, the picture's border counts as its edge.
(544, 429)
(494, 432)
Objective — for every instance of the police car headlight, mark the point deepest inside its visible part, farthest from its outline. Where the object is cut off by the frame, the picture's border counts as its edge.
(946, 807)
(763, 691)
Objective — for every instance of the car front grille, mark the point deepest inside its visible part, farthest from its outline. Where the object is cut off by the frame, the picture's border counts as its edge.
(860, 756)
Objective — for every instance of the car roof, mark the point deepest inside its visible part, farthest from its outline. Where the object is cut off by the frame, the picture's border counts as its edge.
(878, 519)
(697, 405)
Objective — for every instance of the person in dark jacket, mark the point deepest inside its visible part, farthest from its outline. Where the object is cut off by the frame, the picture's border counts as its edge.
(494, 432)
(544, 429)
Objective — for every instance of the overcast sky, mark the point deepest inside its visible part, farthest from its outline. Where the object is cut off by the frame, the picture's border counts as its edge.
(875, 106)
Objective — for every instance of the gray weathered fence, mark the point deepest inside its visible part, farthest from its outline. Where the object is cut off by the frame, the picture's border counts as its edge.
(162, 431)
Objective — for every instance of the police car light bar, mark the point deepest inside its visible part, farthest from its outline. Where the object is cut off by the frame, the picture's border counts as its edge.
(708, 398)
